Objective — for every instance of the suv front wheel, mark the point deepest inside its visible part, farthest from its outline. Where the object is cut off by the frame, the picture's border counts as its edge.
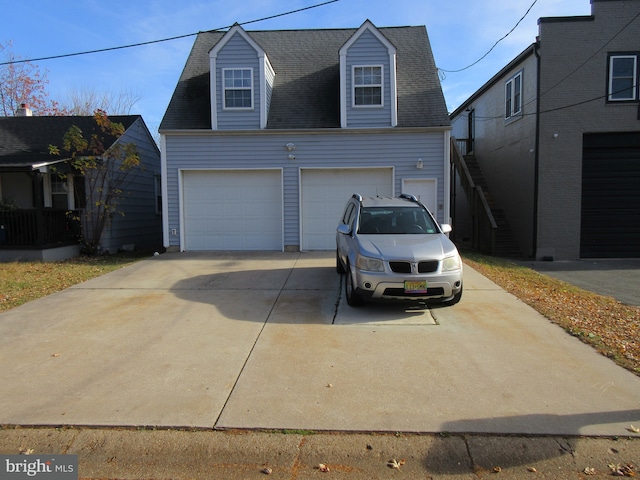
(353, 299)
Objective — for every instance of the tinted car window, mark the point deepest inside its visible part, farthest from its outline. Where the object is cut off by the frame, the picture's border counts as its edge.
(395, 220)
(348, 212)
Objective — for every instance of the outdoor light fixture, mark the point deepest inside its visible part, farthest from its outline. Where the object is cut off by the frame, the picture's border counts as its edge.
(419, 164)
(290, 146)
(292, 156)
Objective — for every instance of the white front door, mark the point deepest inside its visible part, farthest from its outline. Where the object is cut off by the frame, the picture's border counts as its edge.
(425, 189)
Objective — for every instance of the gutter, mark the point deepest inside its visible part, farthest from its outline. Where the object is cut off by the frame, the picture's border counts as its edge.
(536, 171)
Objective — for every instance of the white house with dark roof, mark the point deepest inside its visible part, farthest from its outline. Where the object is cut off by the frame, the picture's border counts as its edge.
(268, 133)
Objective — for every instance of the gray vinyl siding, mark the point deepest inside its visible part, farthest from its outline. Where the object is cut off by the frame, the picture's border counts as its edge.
(400, 150)
(237, 53)
(368, 51)
(269, 85)
(141, 224)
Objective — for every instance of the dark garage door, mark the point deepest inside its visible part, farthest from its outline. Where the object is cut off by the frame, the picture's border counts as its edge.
(610, 196)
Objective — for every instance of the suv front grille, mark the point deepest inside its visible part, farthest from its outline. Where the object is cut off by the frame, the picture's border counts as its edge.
(400, 267)
(427, 267)
(405, 267)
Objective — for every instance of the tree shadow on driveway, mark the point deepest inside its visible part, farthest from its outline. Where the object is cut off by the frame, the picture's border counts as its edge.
(540, 438)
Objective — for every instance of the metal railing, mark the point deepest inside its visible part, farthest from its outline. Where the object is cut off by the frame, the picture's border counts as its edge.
(32, 228)
(484, 225)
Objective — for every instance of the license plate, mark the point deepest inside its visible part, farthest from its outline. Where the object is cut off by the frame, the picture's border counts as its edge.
(411, 286)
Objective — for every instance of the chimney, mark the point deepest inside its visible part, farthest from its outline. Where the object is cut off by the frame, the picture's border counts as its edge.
(24, 111)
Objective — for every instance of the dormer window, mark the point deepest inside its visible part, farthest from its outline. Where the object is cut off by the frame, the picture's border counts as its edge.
(367, 86)
(238, 88)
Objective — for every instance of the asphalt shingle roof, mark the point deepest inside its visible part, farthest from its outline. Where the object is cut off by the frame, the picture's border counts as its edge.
(307, 85)
(24, 141)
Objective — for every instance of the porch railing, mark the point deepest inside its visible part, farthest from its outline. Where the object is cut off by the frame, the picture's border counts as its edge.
(484, 225)
(465, 145)
(32, 228)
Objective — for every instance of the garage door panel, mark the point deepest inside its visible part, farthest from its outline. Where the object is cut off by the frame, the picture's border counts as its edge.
(233, 210)
(324, 193)
(610, 225)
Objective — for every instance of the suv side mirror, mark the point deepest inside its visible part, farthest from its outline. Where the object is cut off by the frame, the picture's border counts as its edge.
(446, 228)
(344, 229)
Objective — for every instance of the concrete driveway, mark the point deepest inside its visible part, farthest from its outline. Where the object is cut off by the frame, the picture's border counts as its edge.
(266, 340)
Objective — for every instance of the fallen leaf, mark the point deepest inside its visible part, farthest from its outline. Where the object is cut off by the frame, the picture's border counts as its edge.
(497, 469)
(322, 467)
(589, 471)
(532, 469)
(633, 429)
(55, 355)
(329, 385)
(26, 451)
(266, 471)
(393, 463)
(618, 470)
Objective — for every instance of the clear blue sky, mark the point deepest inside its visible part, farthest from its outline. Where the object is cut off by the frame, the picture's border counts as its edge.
(461, 31)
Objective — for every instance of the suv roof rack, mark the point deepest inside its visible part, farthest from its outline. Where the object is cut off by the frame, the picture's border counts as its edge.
(408, 196)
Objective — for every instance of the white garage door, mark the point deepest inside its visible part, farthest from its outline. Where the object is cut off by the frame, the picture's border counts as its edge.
(324, 195)
(232, 210)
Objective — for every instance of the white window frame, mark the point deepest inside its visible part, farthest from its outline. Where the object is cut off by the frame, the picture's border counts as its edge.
(355, 86)
(513, 108)
(235, 88)
(634, 78)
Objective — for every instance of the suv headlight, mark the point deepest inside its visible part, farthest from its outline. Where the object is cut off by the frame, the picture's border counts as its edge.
(369, 264)
(451, 263)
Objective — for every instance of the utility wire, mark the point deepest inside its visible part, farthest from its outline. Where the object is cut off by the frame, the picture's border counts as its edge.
(101, 50)
(494, 45)
(564, 107)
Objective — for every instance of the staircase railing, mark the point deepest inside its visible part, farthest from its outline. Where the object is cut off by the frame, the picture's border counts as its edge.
(484, 225)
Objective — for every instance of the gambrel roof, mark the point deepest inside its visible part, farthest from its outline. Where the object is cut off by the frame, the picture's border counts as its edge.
(306, 92)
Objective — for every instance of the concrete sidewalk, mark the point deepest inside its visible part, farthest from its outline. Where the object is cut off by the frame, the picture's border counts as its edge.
(264, 342)
(244, 455)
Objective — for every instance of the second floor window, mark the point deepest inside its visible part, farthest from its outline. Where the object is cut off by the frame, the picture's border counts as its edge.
(623, 77)
(513, 96)
(367, 86)
(238, 88)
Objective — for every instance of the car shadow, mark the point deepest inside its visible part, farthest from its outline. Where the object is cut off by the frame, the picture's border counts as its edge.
(300, 295)
(492, 442)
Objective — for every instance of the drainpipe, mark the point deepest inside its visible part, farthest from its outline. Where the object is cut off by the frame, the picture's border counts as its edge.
(536, 46)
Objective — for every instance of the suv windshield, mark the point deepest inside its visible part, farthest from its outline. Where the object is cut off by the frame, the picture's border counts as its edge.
(395, 220)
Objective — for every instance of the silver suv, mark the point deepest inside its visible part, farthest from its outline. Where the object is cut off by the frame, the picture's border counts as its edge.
(393, 249)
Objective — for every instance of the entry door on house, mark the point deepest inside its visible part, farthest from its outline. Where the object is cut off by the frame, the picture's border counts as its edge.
(425, 189)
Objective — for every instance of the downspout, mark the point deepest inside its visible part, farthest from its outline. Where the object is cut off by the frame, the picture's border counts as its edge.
(536, 155)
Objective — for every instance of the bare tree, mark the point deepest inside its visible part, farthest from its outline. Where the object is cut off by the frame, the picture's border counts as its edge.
(22, 82)
(86, 101)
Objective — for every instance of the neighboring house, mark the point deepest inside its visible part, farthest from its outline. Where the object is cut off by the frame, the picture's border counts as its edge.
(269, 133)
(39, 208)
(556, 134)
